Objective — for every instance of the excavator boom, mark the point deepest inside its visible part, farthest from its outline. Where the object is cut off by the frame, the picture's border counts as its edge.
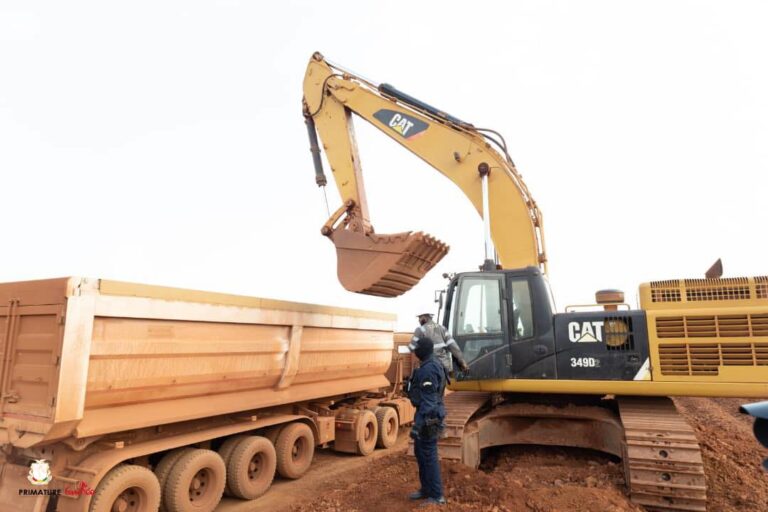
(389, 265)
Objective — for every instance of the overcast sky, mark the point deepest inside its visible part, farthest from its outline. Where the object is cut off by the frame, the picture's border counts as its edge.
(163, 142)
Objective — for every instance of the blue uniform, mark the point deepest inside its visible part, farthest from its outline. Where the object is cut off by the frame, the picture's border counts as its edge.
(426, 393)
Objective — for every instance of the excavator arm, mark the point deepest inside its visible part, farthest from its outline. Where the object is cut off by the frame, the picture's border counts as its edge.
(388, 265)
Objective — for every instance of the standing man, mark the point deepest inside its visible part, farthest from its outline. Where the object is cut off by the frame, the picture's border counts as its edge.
(444, 345)
(425, 390)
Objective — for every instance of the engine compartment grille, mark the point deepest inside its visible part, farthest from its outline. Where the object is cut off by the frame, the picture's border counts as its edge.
(706, 358)
(761, 287)
(665, 294)
(708, 290)
(618, 333)
(712, 326)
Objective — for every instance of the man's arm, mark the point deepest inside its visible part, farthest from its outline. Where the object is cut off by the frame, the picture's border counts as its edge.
(430, 386)
(454, 349)
(413, 390)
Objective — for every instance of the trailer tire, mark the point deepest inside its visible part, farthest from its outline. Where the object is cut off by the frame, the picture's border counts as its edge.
(225, 451)
(367, 432)
(389, 426)
(272, 433)
(251, 467)
(295, 448)
(163, 469)
(196, 482)
(127, 487)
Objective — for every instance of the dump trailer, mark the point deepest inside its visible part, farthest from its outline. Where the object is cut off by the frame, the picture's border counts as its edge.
(120, 396)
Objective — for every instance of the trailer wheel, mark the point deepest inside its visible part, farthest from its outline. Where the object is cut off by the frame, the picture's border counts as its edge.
(127, 488)
(389, 425)
(251, 467)
(163, 469)
(271, 433)
(295, 448)
(196, 482)
(367, 432)
(225, 451)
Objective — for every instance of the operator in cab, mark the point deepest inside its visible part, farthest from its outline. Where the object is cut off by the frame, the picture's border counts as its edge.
(425, 390)
(445, 347)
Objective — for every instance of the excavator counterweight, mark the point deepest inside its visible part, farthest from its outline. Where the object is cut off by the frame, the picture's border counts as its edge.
(384, 265)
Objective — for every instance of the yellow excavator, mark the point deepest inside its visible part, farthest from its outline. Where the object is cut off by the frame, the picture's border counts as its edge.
(594, 377)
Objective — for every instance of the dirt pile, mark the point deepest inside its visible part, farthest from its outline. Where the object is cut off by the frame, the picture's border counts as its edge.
(544, 479)
(732, 456)
(511, 479)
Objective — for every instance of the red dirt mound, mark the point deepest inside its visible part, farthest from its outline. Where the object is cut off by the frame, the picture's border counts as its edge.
(543, 479)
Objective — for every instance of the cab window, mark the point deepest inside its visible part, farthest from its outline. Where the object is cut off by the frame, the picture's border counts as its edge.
(479, 307)
(522, 312)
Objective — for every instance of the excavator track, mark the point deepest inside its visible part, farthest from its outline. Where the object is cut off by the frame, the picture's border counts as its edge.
(662, 460)
(459, 444)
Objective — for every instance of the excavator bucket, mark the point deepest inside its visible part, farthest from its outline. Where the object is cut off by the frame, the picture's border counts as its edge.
(384, 265)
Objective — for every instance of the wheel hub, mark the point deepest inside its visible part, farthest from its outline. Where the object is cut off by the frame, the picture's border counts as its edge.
(254, 466)
(197, 486)
(297, 449)
(127, 501)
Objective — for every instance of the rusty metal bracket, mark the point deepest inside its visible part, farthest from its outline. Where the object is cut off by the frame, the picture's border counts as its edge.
(7, 354)
(328, 227)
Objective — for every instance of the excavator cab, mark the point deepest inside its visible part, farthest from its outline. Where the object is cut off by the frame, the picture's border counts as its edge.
(505, 324)
(502, 320)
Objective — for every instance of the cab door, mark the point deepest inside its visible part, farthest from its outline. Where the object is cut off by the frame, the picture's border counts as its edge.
(478, 322)
(531, 333)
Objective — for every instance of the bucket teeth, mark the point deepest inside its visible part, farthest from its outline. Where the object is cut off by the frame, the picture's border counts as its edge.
(385, 265)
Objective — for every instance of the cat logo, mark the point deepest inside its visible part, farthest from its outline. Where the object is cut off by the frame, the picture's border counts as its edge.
(585, 332)
(400, 124)
(406, 126)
